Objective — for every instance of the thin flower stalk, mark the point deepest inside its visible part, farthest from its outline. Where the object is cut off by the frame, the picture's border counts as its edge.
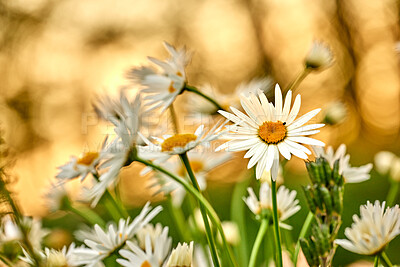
(278, 255)
(257, 243)
(193, 89)
(203, 201)
(210, 238)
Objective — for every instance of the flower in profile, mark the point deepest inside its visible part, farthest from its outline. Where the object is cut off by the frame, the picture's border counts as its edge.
(319, 57)
(268, 130)
(162, 85)
(201, 162)
(116, 154)
(370, 233)
(152, 247)
(80, 167)
(178, 144)
(181, 256)
(350, 174)
(103, 243)
(286, 199)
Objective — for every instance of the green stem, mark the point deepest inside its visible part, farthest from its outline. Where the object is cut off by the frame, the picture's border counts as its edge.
(393, 191)
(237, 215)
(87, 214)
(4, 259)
(196, 91)
(210, 238)
(293, 85)
(257, 243)
(276, 225)
(385, 259)
(174, 118)
(376, 261)
(179, 220)
(303, 232)
(211, 212)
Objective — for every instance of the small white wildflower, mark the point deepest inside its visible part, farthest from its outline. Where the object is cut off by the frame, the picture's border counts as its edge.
(162, 86)
(350, 174)
(286, 199)
(373, 230)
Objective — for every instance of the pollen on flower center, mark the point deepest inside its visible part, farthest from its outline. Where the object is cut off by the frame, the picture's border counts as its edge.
(145, 264)
(272, 132)
(178, 140)
(88, 158)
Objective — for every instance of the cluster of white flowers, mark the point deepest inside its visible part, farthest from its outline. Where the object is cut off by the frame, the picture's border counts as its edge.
(265, 129)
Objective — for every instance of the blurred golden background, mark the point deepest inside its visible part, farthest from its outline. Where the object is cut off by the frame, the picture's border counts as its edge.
(57, 56)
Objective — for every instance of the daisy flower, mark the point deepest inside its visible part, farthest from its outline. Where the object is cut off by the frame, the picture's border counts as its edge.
(80, 167)
(370, 233)
(319, 57)
(116, 154)
(177, 144)
(350, 174)
(286, 199)
(101, 243)
(201, 162)
(181, 256)
(268, 130)
(153, 247)
(135, 256)
(162, 85)
(54, 258)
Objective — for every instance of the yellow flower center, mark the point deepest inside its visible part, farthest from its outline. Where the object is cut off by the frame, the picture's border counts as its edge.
(145, 264)
(196, 165)
(272, 132)
(179, 74)
(178, 140)
(88, 158)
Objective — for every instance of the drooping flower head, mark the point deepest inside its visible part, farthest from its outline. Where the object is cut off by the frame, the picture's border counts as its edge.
(370, 233)
(350, 174)
(115, 154)
(268, 130)
(286, 199)
(162, 85)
